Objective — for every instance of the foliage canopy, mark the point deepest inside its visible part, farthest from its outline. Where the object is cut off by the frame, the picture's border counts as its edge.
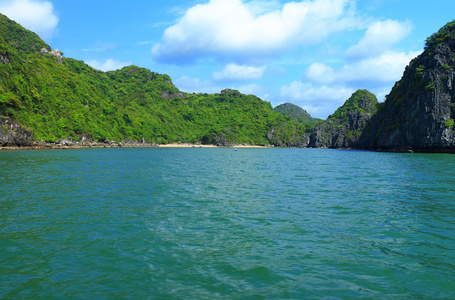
(69, 99)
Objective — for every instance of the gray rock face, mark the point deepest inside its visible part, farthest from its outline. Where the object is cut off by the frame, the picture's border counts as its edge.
(418, 113)
(54, 52)
(344, 128)
(333, 134)
(12, 134)
(65, 142)
(4, 59)
(168, 95)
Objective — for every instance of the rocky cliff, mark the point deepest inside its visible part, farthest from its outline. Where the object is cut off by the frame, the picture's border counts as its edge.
(418, 114)
(13, 134)
(343, 128)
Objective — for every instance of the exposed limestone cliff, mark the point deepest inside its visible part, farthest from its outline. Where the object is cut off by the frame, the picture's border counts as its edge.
(13, 134)
(419, 112)
(54, 52)
(343, 128)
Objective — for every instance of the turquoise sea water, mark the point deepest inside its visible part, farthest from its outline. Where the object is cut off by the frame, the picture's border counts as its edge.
(205, 223)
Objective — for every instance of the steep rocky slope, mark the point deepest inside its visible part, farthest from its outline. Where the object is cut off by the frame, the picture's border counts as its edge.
(419, 112)
(343, 128)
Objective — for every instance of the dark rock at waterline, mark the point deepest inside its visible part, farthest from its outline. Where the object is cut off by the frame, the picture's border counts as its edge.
(13, 134)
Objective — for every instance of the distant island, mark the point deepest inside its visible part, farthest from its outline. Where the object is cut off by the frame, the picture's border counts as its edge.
(47, 99)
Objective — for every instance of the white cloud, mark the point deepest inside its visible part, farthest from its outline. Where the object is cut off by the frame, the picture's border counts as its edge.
(195, 85)
(327, 88)
(388, 67)
(185, 82)
(233, 72)
(35, 15)
(318, 101)
(234, 28)
(320, 73)
(379, 37)
(251, 89)
(109, 65)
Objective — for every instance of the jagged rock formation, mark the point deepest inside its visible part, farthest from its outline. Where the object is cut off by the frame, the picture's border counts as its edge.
(4, 59)
(343, 128)
(419, 112)
(54, 52)
(13, 134)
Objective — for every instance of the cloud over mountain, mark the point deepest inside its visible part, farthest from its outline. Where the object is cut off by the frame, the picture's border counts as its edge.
(379, 37)
(108, 65)
(35, 15)
(234, 72)
(232, 28)
(386, 67)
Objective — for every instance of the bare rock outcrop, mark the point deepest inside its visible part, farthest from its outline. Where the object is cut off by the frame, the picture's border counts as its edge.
(343, 128)
(12, 134)
(54, 52)
(418, 114)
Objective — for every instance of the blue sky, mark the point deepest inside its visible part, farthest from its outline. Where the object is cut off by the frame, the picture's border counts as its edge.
(313, 53)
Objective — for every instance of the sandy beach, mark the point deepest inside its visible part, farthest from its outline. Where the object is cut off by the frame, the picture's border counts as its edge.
(42, 146)
(185, 145)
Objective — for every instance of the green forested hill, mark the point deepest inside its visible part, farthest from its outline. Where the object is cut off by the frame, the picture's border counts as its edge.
(343, 128)
(57, 98)
(296, 113)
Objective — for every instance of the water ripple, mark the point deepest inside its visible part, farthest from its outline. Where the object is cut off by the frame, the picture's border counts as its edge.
(214, 223)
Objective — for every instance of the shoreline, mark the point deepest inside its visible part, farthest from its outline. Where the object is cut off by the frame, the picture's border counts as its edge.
(186, 145)
(53, 146)
(62, 146)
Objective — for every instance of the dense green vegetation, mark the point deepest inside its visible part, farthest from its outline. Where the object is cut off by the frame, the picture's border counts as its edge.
(296, 113)
(69, 99)
(449, 123)
(360, 102)
(446, 33)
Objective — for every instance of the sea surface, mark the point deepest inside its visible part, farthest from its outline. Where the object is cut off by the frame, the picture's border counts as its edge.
(214, 223)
